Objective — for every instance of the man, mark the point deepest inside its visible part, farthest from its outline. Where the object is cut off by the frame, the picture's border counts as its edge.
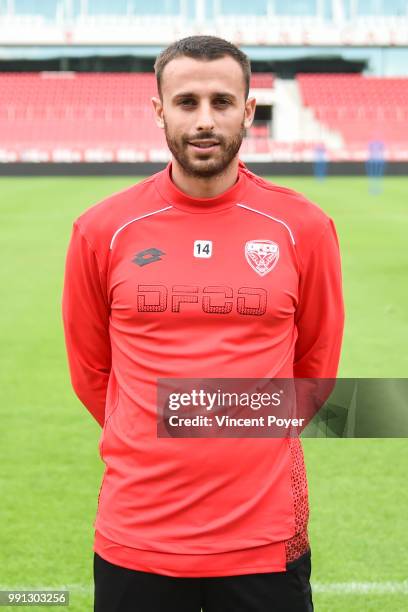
(160, 284)
(375, 165)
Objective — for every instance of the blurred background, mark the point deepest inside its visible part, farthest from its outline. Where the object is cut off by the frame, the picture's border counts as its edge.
(330, 77)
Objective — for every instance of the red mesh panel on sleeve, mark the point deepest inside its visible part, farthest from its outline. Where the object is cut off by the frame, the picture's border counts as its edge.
(299, 543)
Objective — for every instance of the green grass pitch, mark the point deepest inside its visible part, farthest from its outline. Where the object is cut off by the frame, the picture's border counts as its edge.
(50, 468)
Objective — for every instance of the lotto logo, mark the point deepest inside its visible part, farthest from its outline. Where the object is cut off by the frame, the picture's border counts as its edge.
(148, 256)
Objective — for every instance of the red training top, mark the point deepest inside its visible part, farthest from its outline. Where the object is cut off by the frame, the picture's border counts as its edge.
(162, 285)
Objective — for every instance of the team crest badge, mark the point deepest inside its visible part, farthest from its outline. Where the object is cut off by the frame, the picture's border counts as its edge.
(262, 255)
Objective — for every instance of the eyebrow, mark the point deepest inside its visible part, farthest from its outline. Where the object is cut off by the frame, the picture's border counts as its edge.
(218, 94)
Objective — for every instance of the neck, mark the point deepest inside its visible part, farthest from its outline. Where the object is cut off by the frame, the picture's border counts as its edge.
(206, 187)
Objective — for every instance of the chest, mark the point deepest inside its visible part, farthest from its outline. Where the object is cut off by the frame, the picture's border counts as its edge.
(201, 267)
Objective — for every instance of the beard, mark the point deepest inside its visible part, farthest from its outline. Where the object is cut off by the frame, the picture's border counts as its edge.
(204, 164)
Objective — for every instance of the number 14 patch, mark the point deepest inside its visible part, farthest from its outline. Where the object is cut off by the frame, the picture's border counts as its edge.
(202, 248)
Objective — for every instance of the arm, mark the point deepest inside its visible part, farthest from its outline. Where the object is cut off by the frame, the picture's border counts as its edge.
(85, 311)
(320, 320)
(320, 313)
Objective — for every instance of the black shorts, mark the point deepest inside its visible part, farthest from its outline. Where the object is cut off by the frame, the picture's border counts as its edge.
(118, 589)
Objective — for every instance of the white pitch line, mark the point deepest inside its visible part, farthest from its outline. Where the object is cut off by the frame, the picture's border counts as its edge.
(335, 588)
(361, 588)
(329, 588)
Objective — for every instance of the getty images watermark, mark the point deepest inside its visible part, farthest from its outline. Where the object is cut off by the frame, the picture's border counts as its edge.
(213, 402)
(276, 408)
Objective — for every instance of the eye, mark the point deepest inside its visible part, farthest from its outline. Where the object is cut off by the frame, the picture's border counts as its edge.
(221, 101)
(187, 102)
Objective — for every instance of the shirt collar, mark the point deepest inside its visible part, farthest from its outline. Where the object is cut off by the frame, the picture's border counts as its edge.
(177, 198)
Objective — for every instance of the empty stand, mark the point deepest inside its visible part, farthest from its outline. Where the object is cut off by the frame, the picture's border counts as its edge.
(361, 108)
(108, 116)
(83, 111)
(87, 115)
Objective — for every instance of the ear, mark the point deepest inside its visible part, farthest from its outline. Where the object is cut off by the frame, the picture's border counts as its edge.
(158, 112)
(250, 106)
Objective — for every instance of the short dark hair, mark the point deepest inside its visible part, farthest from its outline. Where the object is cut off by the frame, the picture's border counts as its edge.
(204, 48)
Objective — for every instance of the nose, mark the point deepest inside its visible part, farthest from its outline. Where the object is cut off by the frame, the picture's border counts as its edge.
(205, 120)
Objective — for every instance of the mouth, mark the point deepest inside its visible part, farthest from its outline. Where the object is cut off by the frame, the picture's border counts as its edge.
(204, 145)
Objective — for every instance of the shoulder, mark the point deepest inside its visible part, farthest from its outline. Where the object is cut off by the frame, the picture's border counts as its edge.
(305, 219)
(100, 221)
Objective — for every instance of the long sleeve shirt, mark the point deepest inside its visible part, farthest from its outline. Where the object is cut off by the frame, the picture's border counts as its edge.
(159, 284)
